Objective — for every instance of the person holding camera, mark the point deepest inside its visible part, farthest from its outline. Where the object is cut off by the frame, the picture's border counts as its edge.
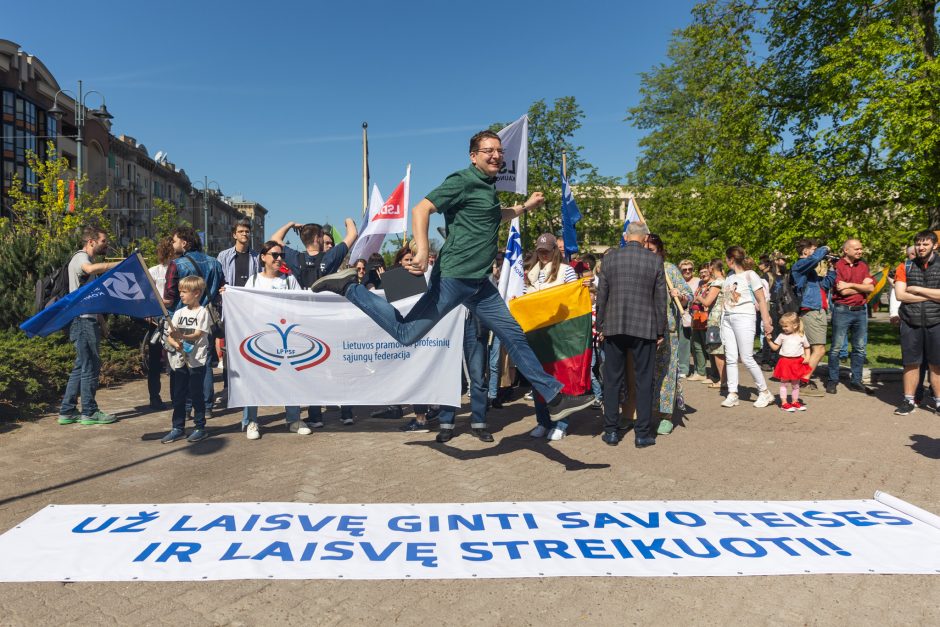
(812, 290)
(850, 314)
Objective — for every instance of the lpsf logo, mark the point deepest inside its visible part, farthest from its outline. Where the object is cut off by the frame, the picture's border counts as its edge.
(271, 349)
(123, 285)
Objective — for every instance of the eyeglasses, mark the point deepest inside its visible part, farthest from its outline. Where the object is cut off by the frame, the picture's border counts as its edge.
(489, 151)
(276, 255)
(685, 269)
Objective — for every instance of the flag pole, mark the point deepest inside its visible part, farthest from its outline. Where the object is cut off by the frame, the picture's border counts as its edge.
(669, 284)
(365, 168)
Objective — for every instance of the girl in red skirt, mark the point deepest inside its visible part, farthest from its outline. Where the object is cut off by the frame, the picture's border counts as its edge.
(792, 368)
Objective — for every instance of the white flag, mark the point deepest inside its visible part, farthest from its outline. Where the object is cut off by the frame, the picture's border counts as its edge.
(390, 216)
(514, 175)
(367, 244)
(512, 276)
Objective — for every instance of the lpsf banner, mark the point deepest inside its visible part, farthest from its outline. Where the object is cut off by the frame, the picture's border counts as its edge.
(201, 541)
(514, 175)
(301, 348)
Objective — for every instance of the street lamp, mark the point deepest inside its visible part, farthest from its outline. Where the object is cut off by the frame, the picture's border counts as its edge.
(81, 115)
(205, 206)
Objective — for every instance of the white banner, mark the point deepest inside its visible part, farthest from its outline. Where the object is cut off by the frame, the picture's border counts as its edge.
(300, 348)
(200, 541)
(514, 175)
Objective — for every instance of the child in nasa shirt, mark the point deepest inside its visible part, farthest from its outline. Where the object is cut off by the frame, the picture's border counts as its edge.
(189, 340)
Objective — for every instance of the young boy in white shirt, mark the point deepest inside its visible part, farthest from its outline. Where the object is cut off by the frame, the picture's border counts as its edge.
(189, 339)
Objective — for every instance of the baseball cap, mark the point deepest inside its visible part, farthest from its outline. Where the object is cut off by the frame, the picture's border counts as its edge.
(546, 241)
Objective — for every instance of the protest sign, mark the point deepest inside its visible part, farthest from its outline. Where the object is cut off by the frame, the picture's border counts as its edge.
(200, 541)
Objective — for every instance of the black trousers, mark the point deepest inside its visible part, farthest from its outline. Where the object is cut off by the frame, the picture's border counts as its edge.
(615, 357)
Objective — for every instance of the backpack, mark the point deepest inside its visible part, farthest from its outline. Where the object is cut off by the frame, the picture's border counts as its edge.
(788, 301)
(52, 287)
(311, 269)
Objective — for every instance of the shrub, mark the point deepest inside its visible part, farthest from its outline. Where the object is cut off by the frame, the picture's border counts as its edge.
(34, 371)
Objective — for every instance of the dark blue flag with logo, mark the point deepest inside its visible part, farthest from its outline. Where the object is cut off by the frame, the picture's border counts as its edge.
(124, 289)
(570, 215)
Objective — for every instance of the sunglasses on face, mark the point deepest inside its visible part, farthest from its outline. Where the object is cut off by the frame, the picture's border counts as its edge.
(276, 255)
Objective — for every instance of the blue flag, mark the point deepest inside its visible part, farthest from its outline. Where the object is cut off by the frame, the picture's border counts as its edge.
(125, 289)
(570, 215)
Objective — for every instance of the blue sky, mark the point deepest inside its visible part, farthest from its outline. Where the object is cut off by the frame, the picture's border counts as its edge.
(268, 98)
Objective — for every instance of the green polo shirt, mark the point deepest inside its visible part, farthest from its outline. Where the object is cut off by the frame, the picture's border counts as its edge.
(467, 200)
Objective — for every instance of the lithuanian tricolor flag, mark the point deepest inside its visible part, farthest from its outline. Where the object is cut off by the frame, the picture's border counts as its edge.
(557, 325)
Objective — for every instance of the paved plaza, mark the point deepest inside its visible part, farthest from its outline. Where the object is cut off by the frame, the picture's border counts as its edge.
(845, 447)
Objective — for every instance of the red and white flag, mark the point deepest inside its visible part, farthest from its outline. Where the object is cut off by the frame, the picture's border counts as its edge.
(389, 216)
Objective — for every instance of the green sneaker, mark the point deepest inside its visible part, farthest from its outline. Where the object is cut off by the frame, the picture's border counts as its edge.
(665, 427)
(67, 419)
(98, 418)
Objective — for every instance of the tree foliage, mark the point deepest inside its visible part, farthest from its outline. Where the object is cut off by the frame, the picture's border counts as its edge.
(800, 118)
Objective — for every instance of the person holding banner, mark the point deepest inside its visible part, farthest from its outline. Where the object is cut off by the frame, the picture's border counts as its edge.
(472, 214)
(85, 334)
(274, 275)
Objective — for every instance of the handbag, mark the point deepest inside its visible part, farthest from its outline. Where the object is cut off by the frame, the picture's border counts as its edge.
(713, 335)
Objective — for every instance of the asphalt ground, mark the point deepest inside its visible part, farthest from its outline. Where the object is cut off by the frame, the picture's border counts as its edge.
(845, 447)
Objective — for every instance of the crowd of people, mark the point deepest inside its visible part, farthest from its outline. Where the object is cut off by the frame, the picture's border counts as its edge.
(657, 326)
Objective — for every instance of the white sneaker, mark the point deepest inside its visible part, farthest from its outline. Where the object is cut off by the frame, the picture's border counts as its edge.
(299, 427)
(253, 432)
(764, 399)
(529, 396)
(538, 432)
(730, 401)
(556, 434)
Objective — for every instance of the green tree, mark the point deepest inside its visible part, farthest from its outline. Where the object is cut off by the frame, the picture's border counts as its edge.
(166, 219)
(42, 234)
(826, 126)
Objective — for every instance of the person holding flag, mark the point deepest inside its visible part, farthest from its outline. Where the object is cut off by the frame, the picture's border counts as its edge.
(472, 214)
(85, 334)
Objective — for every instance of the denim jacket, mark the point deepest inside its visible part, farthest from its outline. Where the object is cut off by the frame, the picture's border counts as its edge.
(808, 282)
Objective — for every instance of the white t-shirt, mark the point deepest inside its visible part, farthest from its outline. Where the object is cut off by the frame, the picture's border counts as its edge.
(188, 320)
(283, 282)
(738, 291)
(791, 344)
(158, 272)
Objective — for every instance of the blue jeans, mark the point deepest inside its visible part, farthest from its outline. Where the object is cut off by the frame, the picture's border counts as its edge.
(444, 294)
(494, 368)
(250, 414)
(85, 334)
(182, 382)
(596, 389)
(853, 324)
(208, 391)
(474, 352)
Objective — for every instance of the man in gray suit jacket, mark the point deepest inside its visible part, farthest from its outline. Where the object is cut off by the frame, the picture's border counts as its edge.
(631, 316)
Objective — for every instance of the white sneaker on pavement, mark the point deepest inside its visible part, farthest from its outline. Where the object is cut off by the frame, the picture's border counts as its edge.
(556, 434)
(253, 432)
(764, 399)
(730, 401)
(299, 427)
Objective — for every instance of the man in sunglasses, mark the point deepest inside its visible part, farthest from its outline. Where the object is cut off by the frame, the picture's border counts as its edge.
(472, 214)
(315, 260)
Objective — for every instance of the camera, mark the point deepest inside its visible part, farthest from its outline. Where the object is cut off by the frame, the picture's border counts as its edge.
(833, 258)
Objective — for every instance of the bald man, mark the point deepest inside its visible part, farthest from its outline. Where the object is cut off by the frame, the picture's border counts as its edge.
(850, 314)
